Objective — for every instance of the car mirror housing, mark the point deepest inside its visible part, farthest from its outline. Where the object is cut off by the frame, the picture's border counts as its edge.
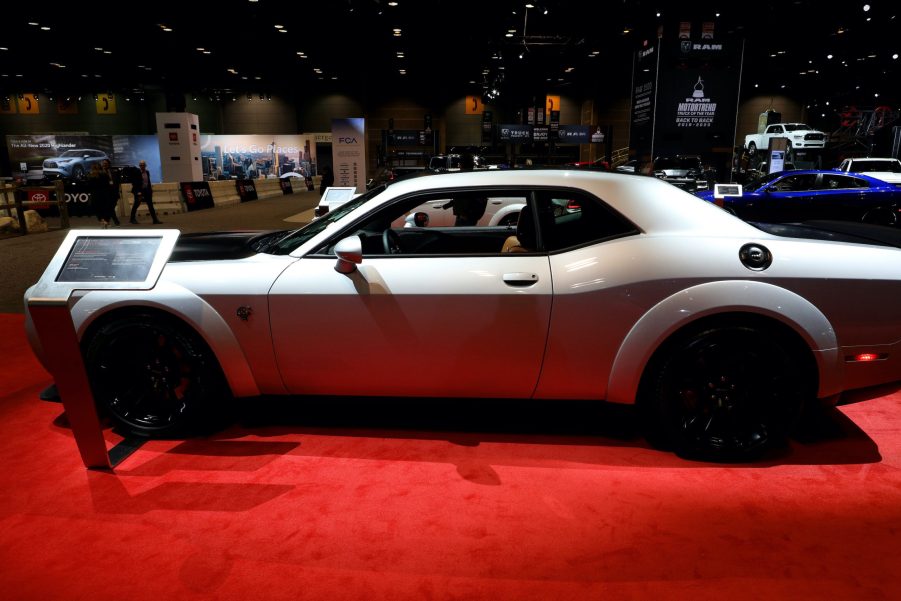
(350, 253)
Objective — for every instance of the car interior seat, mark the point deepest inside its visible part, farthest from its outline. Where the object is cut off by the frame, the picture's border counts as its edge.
(525, 239)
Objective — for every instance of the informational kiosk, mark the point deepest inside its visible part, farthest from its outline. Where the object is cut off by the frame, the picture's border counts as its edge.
(90, 260)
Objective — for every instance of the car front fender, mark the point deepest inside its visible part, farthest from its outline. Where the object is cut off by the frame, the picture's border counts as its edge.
(183, 304)
(713, 298)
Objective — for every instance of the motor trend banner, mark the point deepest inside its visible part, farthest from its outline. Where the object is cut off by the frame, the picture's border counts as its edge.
(697, 100)
(349, 152)
(45, 157)
(247, 190)
(197, 195)
(257, 156)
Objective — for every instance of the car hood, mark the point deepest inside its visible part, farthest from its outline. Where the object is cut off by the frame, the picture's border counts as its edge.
(220, 246)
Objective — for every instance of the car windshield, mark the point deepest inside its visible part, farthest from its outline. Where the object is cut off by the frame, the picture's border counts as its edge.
(72, 153)
(294, 239)
(883, 166)
(796, 127)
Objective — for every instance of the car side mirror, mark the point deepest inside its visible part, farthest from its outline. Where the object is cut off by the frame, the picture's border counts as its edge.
(350, 254)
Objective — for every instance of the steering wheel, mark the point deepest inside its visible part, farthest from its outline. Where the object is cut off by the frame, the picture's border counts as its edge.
(391, 242)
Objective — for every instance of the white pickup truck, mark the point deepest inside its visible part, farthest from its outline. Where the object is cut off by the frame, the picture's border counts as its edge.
(886, 169)
(799, 136)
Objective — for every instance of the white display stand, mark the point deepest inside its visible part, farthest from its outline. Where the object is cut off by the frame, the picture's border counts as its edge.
(179, 138)
(90, 260)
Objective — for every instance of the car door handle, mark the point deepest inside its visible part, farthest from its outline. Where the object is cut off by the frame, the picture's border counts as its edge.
(520, 278)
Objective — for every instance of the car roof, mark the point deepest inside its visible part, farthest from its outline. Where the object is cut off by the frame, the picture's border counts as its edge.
(652, 204)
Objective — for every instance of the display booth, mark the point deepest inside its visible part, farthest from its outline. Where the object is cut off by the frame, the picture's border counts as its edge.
(90, 260)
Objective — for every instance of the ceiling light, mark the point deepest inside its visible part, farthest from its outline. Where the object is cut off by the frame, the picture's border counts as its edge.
(283, 31)
(107, 52)
(756, 85)
(829, 56)
(392, 4)
(876, 95)
(866, 7)
(658, 14)
(894, 56)
(529, 5)
(167, 29)
(508, 35)
(207, 52)
(279, 26)
(45, 28)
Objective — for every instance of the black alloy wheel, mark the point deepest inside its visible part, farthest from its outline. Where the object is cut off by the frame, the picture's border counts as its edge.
(78, 173)
(155, 378)
(725, 393)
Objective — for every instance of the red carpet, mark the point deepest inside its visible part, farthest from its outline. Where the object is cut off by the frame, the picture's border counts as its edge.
(360, 505)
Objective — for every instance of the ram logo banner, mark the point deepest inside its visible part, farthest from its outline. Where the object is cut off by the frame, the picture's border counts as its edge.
(349, 153)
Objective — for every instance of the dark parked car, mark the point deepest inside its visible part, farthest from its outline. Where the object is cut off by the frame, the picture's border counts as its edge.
(683, 171)
(72, 164)
(815, 194)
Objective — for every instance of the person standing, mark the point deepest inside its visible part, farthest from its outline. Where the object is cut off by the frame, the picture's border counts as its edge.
(98, 184)
(114, 193)
(142, 190)
(328, 179)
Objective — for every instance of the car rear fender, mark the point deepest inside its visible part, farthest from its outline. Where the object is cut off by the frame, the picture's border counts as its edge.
(713, 298)
(184, 305)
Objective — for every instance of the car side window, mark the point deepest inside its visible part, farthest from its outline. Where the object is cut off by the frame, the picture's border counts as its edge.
(569, 218)
(777, 129)
(842, 182)
(464, 222)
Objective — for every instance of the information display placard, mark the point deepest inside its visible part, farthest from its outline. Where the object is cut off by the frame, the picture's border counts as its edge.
(90, 260)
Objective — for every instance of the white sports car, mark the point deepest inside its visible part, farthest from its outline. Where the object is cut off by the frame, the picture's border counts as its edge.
(639, 293)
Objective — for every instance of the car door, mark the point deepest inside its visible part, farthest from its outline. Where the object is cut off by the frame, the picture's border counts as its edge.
(840, 196)
(784, 199)
(443, 323)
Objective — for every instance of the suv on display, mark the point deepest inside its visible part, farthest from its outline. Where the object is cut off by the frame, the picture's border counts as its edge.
(683, 171)
(72, 164)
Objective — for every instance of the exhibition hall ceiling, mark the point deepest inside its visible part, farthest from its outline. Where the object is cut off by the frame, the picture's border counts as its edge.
(438, 49)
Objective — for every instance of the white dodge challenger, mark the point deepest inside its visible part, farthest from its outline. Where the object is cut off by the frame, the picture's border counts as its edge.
(720, 331)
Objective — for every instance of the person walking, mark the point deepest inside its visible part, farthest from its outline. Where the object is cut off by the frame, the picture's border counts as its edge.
(142, 190)
(114, 193)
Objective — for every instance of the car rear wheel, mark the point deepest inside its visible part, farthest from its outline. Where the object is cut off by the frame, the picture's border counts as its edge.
(724, 393)
(880, 217)
(78, 173)
(155, 377)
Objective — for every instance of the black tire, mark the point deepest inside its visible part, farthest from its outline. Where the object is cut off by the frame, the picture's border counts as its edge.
(880, 217)
(723, 393)
(155, 377)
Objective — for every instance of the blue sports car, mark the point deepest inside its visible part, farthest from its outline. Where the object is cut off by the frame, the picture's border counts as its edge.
(805, 195)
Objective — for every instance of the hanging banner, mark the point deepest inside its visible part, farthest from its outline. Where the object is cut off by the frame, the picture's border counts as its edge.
(28, 104)
(474, 105)
(515, 133)
(349, 152)
(644, 69)
(551, 104)
(106, 104)
(574, 134)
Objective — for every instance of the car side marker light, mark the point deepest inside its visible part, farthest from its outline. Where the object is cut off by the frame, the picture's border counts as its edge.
(865, 357)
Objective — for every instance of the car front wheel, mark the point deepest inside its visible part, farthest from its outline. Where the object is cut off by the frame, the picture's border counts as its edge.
(154, 377)
(724, 393)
